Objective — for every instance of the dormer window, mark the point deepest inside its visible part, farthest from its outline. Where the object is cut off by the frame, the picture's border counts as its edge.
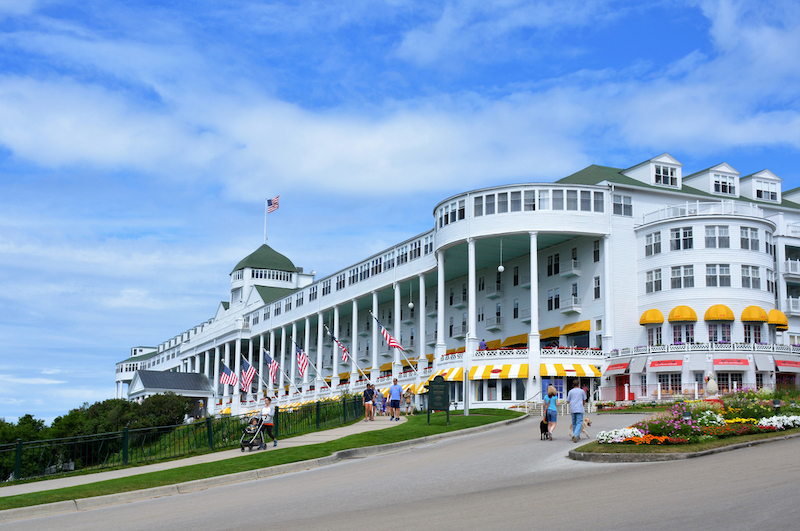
(724, 184)
(666, 175)
(766, 190)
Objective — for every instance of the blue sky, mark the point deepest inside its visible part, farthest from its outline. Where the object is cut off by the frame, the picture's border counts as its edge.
(138, 141)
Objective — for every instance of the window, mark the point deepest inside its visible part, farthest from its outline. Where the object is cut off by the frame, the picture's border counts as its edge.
(749, 238)
(724, 184)
(312, 293)
(340, 281)
(480, 314)
(558, 199)
(770, 280)
(596, 287)
(683, 333)
(574, 290)
(277, 311)
(502, 202)
(623, 205)
(653, 281)
(717, 236)
(718, 275)
(653, 335)
(598, 202)
(752, 333)
(553, 302)
(670, 382)
(719, 333)
(767, 191)
(462, 209)
(596, 250)
(478, 207)
(481, 283)
(266, 313)
(516, 201)
(530, 201)
(489, 204)
(572, 200)
(652, 244)
(516, 308)
(681, 239)
(666, 176)
(299, 300)
(516, 275)
(769, 247)
(288, 304)
(326, 287)
(586, 201)
(751, 277)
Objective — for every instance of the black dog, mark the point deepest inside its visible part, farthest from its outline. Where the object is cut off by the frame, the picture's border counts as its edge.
(543, 429)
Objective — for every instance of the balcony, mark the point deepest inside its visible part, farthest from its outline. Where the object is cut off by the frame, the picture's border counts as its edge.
(525, 281)
(408, 344)
(430, 339)
(792, 307)
(494, 323)
(408, 317)
(525, 315)
(791, 269)
(571, 268)
(459, 332)
(363, 329)
(494, 291)
(571, 305)
(432, 310)
(698, 208)
(459, 302)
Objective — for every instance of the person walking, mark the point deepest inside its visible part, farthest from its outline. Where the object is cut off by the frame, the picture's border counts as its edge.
(369, 395)
(408, 398)
(576, 397)
(395, 396)
(268, 414)
(377, 407)
(551, 410)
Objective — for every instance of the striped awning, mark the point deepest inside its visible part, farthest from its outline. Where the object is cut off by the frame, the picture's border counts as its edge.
(513, 341)
(430, 357)
(450, 351)
(499, 372)
(226, 411)
(569, 369)
(344, 375)
(460, 350)
(682, 314)
(455, 374)
(576, 328)
(652, 316)
(386, 366)
(754, 314)
(719, 312)
(778, 318)
(550, 333)
(493, 344)
(409, 362)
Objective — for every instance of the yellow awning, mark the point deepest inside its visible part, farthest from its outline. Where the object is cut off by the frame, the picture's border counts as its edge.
(493, 344)
(386, 366)
(461, 349)
(455, 374)
(514, 341)
(719, 312)
(450, 351)
(576, 328)
(569, 369)
(501, 372)
(652, 316)
(408, 362)
(431, 356)
(778, 318)
(226, 411)
(681, 314)
(550, 333)
(344, 375)
(754, 314)
(328, 379)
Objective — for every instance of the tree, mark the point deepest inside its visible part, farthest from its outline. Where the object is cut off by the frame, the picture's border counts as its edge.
(164, 410)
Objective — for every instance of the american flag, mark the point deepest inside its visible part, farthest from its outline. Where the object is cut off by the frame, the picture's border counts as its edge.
(248, 372)
(227, 376)
(302, 360)
(272, 204)
(344, 350)
(392, 342)
(273, 367)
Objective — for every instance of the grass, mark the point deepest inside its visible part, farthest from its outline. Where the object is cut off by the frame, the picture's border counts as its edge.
(617, 448)
(415, 427)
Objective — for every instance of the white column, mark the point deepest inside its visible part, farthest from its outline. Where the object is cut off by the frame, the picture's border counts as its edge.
(373, 375)
(207, 357)
(197, 363)
(534, 341)
(354, 346)
(422, 359)
(250, 361)
(226, 387)
(306, 342)
(335, 374)
(216, 371)
(320, 382)
(396, 364)
(261, 379)
(472, 316)
(282, 363)
(237, 388)
(293, 358)
(441, 346)
(607, 291)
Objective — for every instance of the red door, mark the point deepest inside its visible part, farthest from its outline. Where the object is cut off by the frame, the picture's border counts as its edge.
(621, 381)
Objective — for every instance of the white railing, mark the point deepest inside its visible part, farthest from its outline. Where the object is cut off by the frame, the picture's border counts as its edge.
(494, 323)
(698, 208)
(573, 351)
(507, 352)
(793, 305)
(703, 347)
(792, 267)
(452, 357)
(570, 303)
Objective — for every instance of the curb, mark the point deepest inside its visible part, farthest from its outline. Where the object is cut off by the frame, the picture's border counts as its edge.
(84, 504)
(655, 458)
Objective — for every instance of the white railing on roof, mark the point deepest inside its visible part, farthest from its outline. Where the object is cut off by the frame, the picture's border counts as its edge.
(703, 347)
(698, 208)
(573, 351)
(504, 352)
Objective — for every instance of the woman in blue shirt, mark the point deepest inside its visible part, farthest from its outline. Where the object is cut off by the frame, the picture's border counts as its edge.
(551, 410)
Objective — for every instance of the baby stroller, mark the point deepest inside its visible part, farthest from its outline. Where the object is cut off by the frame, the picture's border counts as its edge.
(251, 434)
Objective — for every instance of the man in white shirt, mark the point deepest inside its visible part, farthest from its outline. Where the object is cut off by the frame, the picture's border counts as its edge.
(576, 397)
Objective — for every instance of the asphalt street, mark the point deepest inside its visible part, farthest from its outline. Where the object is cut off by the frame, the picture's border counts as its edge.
(506, 477)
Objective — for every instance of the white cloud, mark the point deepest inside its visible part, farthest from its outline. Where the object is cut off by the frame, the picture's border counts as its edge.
(29, 381)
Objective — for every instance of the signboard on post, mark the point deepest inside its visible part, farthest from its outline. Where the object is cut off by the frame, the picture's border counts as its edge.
(438, 397)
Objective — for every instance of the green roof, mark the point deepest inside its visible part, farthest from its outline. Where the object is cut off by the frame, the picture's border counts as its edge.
(269, 294)
(141, 357)
(265, 257)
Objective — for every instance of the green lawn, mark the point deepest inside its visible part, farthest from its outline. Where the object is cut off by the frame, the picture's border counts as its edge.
(414, 428)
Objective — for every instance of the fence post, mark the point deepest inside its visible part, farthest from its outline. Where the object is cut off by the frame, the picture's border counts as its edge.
(344, 408)
(318, 410)
(125, 446)
(18, 460)
(275, 422)
(210, 432)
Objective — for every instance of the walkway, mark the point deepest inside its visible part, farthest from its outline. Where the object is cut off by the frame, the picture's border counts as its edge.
(379, 423)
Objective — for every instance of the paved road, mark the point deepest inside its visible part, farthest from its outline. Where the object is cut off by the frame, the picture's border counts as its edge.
(497, 479)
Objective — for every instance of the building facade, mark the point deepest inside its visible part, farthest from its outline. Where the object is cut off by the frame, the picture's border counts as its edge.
(636, 281)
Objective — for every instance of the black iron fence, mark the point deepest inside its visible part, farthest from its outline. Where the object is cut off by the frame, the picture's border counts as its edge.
(45, 458)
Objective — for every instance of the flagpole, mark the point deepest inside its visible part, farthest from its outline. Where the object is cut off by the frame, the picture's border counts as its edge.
(310, 363)
(265, 221)
(402, 352)
(355, 361)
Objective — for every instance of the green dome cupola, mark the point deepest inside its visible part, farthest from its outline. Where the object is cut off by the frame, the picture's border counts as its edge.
(265, 257)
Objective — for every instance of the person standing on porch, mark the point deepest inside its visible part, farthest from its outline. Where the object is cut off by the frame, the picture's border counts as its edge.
(551, 410)
(576, 397)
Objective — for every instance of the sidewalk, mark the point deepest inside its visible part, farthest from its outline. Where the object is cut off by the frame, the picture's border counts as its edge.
(380, 423)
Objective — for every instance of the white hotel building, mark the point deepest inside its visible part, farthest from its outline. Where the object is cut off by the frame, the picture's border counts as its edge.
(638, 281)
